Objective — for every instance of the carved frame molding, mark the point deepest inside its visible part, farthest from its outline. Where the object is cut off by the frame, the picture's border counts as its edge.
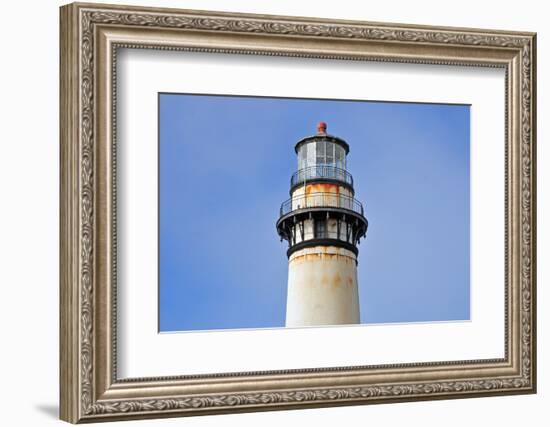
(90, 37)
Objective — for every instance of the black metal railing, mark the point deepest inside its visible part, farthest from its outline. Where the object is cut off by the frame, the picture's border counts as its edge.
(321, 200)
(321, 171)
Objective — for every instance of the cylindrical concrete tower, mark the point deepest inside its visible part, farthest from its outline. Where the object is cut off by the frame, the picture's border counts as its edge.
(323, 224)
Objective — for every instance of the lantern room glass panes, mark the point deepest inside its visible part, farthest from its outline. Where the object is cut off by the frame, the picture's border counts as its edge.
(330, 153)
(310, 154)
(339, 156)
(302, 156)
(321, 152)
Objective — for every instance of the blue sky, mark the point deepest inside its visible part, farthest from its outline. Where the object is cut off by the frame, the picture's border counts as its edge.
(225, 166)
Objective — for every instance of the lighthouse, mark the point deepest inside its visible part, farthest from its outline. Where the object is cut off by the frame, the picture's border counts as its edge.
(323, 224)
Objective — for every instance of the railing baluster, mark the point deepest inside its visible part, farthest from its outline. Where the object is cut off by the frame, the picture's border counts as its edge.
(321, 199)
(321, 171)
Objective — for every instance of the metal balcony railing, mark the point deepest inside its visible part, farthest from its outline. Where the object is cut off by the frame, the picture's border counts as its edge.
(321, 171)
(321, 200)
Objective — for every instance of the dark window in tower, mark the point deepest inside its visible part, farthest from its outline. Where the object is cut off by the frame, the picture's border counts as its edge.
(320, 229)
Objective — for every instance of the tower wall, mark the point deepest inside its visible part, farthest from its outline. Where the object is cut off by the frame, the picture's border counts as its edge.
(310, 190)
(322, 287)
(321, 194)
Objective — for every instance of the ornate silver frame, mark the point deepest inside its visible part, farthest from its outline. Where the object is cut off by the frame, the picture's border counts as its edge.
(90, 36)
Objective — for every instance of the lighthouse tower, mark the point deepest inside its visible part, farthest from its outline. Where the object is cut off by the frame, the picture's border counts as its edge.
(322, 223)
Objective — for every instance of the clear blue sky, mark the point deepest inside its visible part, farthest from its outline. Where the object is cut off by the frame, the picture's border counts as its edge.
(225, 166)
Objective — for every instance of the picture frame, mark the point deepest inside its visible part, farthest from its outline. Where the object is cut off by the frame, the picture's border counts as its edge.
(91, 37)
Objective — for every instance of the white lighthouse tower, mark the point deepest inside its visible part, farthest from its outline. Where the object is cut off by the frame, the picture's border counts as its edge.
(323, 224)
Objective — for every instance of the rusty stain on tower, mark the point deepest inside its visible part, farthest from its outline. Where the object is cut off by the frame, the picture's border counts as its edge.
(323, 224)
